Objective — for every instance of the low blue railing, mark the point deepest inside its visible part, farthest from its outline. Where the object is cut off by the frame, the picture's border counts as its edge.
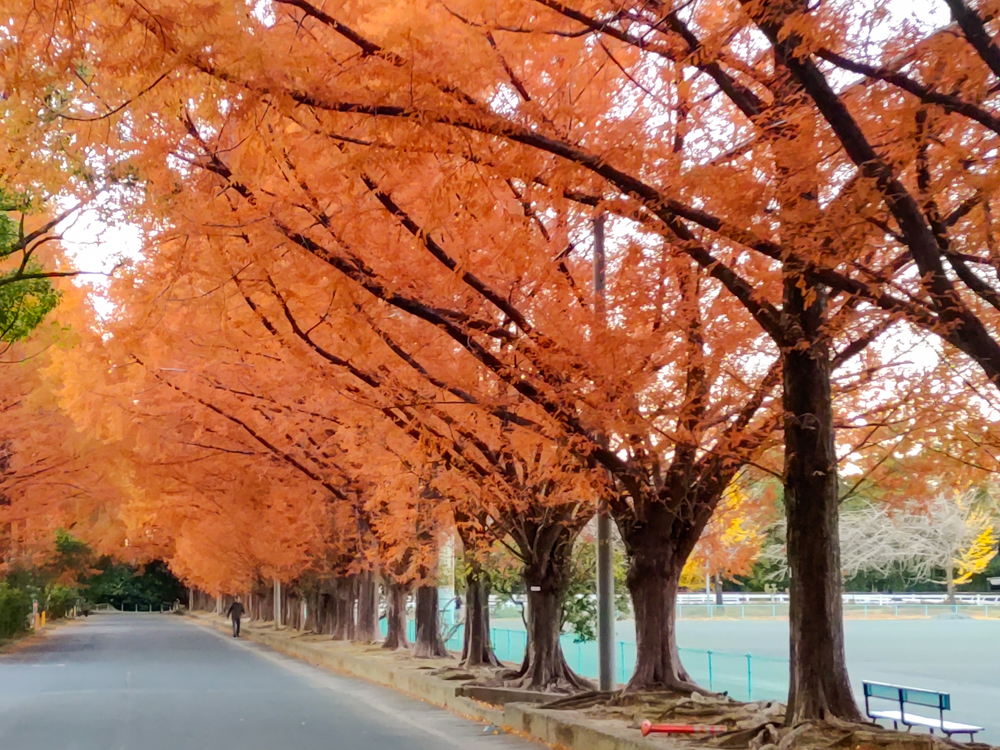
(743, 676)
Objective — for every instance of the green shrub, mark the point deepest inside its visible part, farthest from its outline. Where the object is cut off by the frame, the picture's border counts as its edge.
(59, 600)
(15, 609)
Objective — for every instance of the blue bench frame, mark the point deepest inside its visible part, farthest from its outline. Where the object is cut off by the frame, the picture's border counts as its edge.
(915, 697)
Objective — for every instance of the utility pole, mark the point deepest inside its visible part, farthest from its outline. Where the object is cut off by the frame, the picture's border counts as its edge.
(277, 604)
(605, 558)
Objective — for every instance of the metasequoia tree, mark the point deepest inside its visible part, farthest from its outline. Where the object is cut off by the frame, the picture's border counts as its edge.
(498, 481)
(658, 545)
(231, 402)
(645, 518)
(246, 422)
(53, 475)
(732, 152)
(699, 425)
(223, 563)
(212, 478)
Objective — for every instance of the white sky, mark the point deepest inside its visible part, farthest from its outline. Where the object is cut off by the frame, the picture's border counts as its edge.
(96, 241)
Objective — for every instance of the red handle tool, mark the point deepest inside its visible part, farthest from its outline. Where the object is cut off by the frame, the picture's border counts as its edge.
(648, 727)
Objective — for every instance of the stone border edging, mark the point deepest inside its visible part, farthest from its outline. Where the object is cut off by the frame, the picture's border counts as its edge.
(551, 727)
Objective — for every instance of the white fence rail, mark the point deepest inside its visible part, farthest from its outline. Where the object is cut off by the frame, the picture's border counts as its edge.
(148, 609)
(879, 599)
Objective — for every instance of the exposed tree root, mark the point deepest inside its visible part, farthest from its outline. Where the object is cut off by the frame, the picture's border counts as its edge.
(679, 685)
(752, 726)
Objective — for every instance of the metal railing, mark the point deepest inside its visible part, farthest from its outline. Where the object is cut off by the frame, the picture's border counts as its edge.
(743, 676)
(854, 609)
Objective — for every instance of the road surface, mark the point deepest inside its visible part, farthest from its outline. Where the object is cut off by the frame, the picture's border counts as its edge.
(162, 682)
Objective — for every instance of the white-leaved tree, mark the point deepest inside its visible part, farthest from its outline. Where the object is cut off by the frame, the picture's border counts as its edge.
(953, 535)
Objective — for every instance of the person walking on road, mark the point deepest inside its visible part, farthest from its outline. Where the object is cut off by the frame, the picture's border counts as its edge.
(235, 611)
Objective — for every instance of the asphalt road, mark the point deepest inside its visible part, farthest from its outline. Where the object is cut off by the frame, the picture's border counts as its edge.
(152, 682)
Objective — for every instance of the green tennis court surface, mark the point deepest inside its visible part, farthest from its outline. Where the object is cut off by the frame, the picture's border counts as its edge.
(956, 656)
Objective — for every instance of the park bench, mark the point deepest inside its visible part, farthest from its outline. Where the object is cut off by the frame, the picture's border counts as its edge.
(902, 696)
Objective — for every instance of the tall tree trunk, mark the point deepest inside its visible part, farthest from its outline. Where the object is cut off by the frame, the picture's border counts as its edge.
(339, 596)
(395, 616)
(544, 666)
(367, 630)
(949, 572)
(263, 603)
(429, 644)
(293, 610)
(819, 685)
(718, 589)
(344, 592)
(324, 613)
(658, 548)
(477, 651)
(653, 578)
(336, 609)
(313, 610)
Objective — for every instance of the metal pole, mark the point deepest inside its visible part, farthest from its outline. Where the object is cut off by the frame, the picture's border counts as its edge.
(277, 603)
(605, 558)
(621, 660)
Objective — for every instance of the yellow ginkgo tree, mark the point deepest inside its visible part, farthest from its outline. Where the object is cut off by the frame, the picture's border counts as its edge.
(978, 555)
(732, 541)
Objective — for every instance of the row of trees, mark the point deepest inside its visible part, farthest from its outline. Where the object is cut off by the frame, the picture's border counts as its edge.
(493, 268)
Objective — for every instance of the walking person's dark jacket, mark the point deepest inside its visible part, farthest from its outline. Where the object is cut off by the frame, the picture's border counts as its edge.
(235, 611)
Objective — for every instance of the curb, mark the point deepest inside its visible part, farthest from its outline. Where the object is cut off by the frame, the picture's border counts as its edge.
(551, 727)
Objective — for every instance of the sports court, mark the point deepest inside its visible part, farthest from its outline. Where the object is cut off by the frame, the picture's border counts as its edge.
(949, 653)
(953, 655)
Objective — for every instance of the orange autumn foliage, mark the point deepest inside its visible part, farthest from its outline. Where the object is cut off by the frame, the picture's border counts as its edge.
(364, 310)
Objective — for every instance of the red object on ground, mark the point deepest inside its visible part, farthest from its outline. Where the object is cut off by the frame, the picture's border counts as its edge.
(648, 727)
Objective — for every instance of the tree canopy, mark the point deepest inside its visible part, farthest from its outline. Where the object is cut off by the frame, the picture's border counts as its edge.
(484, 269)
